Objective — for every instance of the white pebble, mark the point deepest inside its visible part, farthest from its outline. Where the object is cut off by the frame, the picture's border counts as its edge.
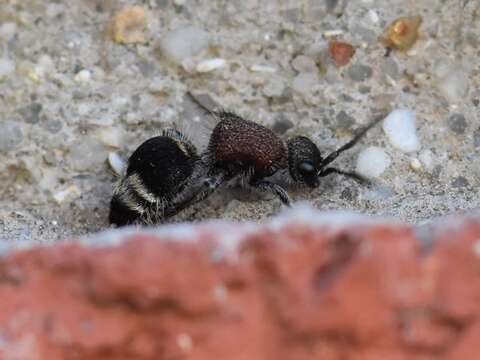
(210, 65)
(8, 30)
(452, 81)
(157, 85)
(7, 67)
(69, 193)
(332, 33)
(416, 165)
(372, 162)
(262, 68)
(373, 16)
(117, 164)
(454, 85)
(399, 126)
(83, 77)
(184, 43)
(426, 157)
(110, 136)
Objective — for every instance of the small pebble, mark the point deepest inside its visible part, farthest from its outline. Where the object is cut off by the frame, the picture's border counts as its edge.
(53, 126)
(10, 136)
(210, 65)
(146, 68)
(117, 164)
(304, 83)
(282, 124)
(373, 15)
(274, 87)
(476, 138)
(426, 157)
(102, 120)
(372, 162)
(262, 68)
(69, 193)
(87, 154)
(110, 136)
(128, 25)
(7, 67)
(340, 52)
(332, 33)
(364, 89)
(457, 123)
(344, 121)
(416, 165)
(8, 30)
(452, 81)
(402, 33)
(399, 126)
(460, 182)
(183, 43)
(31, 113)
(83, 77)
(303, 63)
(390, 68)
(360, 72)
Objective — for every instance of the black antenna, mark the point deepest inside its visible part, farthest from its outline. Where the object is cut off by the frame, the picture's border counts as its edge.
(350, 144)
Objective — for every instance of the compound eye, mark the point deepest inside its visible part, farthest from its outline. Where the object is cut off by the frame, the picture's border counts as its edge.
(306, 167)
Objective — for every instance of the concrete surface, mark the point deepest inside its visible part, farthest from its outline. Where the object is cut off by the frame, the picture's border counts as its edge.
(57, 123)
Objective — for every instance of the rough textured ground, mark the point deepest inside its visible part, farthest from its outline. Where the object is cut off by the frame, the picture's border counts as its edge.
(51, 119)
(301, 287)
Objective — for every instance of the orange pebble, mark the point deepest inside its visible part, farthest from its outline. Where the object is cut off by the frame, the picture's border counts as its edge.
(340, 52)
(128, 25)
(402, 33)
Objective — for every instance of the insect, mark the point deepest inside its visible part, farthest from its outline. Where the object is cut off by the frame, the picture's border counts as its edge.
(245, 149)
(166, 174)
(160, 181)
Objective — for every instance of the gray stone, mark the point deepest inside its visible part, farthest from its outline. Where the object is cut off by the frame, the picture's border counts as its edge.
(304, 83)
(457, 123)
(390, 67)
(31, 113)
(183, 43)
(86, 154)
(10, 136)
(360, 72)
(52, 125)
(282, 124)
(147, 69)
(336, 7)
(476, 138)
(364, 89)
(365, 35)
(437, 170)
(344, 121)
(460, 182)
(304, 64)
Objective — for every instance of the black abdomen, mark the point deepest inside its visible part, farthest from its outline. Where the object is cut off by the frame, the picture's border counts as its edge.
(157, 171)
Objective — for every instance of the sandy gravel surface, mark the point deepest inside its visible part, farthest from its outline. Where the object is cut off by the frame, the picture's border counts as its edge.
(69, 95)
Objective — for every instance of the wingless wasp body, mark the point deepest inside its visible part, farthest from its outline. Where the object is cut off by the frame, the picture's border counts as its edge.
(165, 174)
